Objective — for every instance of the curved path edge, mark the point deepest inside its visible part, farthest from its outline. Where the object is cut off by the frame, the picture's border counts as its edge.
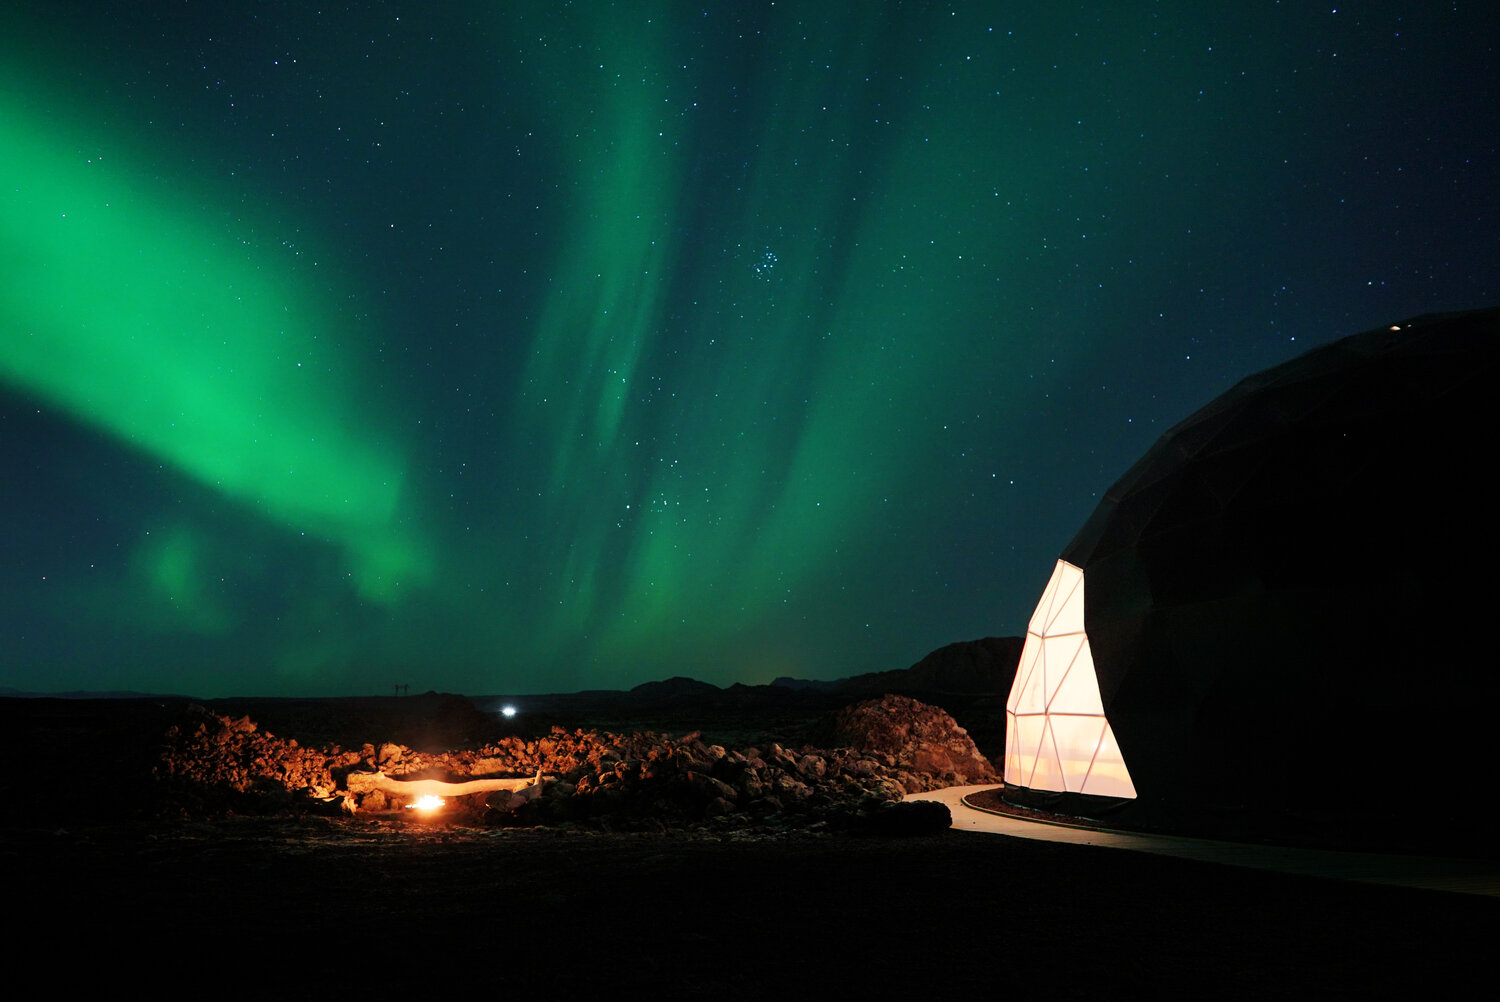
(1460, 876)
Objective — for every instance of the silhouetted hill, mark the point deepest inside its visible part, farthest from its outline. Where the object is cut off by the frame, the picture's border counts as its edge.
(984, 666)
(674, 690)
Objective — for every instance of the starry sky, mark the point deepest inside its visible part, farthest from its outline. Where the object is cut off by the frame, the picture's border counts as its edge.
(531, 347)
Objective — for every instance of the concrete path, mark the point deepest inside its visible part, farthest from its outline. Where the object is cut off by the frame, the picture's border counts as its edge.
(1462, 876)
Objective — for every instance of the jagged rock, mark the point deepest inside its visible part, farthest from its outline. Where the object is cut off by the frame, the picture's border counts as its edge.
(918, 738)
(778, 757)
(709, 786)
(812, 766)
(750, 785)
(787, 787)
(636, 782)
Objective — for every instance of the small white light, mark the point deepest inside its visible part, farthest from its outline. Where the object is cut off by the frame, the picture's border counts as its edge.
(507, 711)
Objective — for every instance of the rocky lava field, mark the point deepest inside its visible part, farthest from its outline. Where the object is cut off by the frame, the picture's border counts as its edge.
(206, 849)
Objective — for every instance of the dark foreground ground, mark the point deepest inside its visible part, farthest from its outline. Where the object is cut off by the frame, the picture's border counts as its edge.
(318, 907)
(309, 907)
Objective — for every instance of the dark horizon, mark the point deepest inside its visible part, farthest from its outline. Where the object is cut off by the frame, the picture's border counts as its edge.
(404, 690)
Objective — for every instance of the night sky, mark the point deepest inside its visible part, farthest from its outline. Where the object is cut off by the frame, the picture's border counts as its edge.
(534, 347)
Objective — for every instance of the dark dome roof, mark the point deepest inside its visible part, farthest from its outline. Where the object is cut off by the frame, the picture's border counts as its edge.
(1287, 597)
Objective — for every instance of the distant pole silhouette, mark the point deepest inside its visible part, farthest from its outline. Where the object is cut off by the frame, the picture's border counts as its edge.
(396, 689)
(406, 689)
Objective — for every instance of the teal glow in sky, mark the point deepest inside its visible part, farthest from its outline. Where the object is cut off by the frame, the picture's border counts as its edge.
(498, 350)
(130, 314)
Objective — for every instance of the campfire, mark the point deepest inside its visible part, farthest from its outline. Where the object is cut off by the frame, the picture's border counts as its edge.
(428, 797)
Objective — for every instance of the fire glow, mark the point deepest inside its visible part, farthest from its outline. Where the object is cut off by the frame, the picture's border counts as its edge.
(426, 804)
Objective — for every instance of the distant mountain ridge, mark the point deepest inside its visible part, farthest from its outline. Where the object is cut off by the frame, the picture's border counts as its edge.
(983, 666)
(11, 692)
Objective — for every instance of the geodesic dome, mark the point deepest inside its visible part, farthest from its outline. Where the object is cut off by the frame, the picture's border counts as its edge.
(1284, 604)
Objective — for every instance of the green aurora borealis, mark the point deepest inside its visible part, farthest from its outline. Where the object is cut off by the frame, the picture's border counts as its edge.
(508, 348)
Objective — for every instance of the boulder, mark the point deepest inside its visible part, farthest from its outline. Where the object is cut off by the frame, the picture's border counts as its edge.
(917, 737)
(907, 817)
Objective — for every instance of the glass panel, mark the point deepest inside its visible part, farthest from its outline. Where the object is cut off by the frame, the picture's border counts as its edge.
(1109, 777)
(1048, 774)
(1076, 740)
(1079, 690)
(1038, 624)
(1068, 617)
(1012, 751)
(1059, 653)
(1033, 695)
(1029, 655)
(1029, 731)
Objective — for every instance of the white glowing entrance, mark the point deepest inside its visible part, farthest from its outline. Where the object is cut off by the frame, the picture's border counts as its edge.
(1056, 735)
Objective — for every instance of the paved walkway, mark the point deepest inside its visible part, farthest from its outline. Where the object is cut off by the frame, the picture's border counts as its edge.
(1462, 876)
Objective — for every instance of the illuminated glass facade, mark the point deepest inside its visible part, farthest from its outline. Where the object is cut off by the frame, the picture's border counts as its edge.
(1057, 736)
